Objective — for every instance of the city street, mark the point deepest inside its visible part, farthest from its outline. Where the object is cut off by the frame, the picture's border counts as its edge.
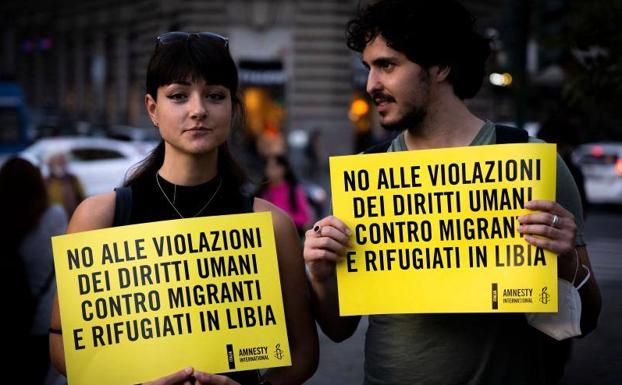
(596, 358)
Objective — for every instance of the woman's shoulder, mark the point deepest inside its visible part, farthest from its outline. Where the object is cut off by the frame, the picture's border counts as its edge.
(279, 216)
(93, 213)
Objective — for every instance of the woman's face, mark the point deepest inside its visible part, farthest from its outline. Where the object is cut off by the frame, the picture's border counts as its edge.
(194, 117)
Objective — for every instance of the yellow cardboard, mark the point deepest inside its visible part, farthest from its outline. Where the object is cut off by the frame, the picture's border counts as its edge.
(436, 231)
(142, 301)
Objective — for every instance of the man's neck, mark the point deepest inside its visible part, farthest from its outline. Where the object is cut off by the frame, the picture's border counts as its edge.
(448, 123)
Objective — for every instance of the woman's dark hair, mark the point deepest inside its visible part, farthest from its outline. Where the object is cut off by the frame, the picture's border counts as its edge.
(429, 33)
(194, 58)
(23, 198)
(290, 179)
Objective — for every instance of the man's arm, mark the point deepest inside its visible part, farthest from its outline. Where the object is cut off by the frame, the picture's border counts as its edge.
(325, 245)
(591, 300)
(559, 236)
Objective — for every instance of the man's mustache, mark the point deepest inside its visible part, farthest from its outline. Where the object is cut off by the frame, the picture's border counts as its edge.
(380, 97)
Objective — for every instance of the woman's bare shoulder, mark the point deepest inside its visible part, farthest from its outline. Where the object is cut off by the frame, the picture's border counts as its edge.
(280, 217)
(93, 213)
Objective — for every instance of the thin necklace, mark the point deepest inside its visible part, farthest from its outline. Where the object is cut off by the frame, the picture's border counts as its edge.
(175, 208)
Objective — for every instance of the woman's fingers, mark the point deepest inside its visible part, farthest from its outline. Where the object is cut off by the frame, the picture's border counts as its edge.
(180, 377)
(213, 379)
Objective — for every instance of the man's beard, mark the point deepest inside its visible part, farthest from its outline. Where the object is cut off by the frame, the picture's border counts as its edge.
(410, 121)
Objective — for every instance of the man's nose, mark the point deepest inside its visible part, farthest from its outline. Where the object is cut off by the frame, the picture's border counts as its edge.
(373, 82)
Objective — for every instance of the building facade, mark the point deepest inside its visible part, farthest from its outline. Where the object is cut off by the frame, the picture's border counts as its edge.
(87, 60)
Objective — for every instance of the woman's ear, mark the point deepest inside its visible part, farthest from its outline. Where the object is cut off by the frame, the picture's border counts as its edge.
(152, 108)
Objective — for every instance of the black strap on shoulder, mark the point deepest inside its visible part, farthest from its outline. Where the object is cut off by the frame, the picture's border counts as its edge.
(247, 202)
(509, 134)
(379, 147)
(123, 206)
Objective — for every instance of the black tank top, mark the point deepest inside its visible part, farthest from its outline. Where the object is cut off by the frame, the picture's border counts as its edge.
(148, 204)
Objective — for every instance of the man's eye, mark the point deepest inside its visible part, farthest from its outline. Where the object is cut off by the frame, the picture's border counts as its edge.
(388, 66)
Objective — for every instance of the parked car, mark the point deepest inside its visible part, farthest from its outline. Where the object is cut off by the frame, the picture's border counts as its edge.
(101, 164)
(601, 164)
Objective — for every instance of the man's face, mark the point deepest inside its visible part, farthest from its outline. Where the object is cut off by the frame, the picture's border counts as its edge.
(399, 88)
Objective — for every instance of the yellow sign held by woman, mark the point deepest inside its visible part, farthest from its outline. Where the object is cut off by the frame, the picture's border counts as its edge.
(142, 301)
(437, 230)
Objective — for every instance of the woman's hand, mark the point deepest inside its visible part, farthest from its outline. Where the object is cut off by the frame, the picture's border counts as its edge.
(551, 227)
(325, 244)
(212, 379)
(183, 377)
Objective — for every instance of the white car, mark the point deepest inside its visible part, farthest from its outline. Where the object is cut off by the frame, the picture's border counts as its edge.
(601, 164)
(101, 164)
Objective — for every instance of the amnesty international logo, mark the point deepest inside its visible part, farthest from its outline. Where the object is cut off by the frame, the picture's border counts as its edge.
(278, 352)
(230, 356)
(545, 297)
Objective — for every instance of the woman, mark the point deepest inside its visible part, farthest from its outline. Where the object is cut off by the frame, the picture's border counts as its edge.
(25, 230)
(282, 189)
(191, 97)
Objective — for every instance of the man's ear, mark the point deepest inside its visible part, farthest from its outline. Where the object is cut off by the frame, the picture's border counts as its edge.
(440, 73)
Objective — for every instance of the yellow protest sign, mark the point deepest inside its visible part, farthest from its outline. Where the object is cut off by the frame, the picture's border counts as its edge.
(142, 301)
(437, 230)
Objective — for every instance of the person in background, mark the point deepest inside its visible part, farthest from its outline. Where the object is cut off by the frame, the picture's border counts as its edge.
(312, 153)
(192, 98)
(63, 187)
(282, 189)
(28, 222)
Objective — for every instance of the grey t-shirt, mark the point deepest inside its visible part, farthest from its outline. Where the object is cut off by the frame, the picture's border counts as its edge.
(452, 349)
(36, 249)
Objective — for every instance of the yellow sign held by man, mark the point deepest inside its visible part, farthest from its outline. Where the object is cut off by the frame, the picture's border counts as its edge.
(138, 302)
(437, 230)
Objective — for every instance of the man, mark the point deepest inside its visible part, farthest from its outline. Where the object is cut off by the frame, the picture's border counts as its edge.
(424, 60)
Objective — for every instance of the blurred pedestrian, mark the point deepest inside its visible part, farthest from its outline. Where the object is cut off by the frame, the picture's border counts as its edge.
(63, 187)
(560, 128)
(312, 153)
(192, 98)
(281, 188)
(28, 222)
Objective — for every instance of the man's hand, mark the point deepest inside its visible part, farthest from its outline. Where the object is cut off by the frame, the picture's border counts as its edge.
(551, 227)
(325, 244)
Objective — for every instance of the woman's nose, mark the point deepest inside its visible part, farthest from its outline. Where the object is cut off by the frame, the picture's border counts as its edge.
(197, 107)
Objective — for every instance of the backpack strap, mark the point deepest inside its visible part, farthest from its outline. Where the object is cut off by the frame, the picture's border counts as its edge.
(247, 201)
(504, 134)
(509, 134)
(379, 147)
(123, 206)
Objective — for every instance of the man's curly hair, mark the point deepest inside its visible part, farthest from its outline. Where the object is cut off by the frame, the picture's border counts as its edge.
(429, 33)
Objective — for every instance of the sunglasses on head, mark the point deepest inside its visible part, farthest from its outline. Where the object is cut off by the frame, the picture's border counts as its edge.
(175, 36)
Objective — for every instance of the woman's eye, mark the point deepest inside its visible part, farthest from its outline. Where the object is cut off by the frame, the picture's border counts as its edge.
(177, 97)
(216, 96)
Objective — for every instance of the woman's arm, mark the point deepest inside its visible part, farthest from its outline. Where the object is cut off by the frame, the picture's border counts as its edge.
(94, 213)
(300, 325)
